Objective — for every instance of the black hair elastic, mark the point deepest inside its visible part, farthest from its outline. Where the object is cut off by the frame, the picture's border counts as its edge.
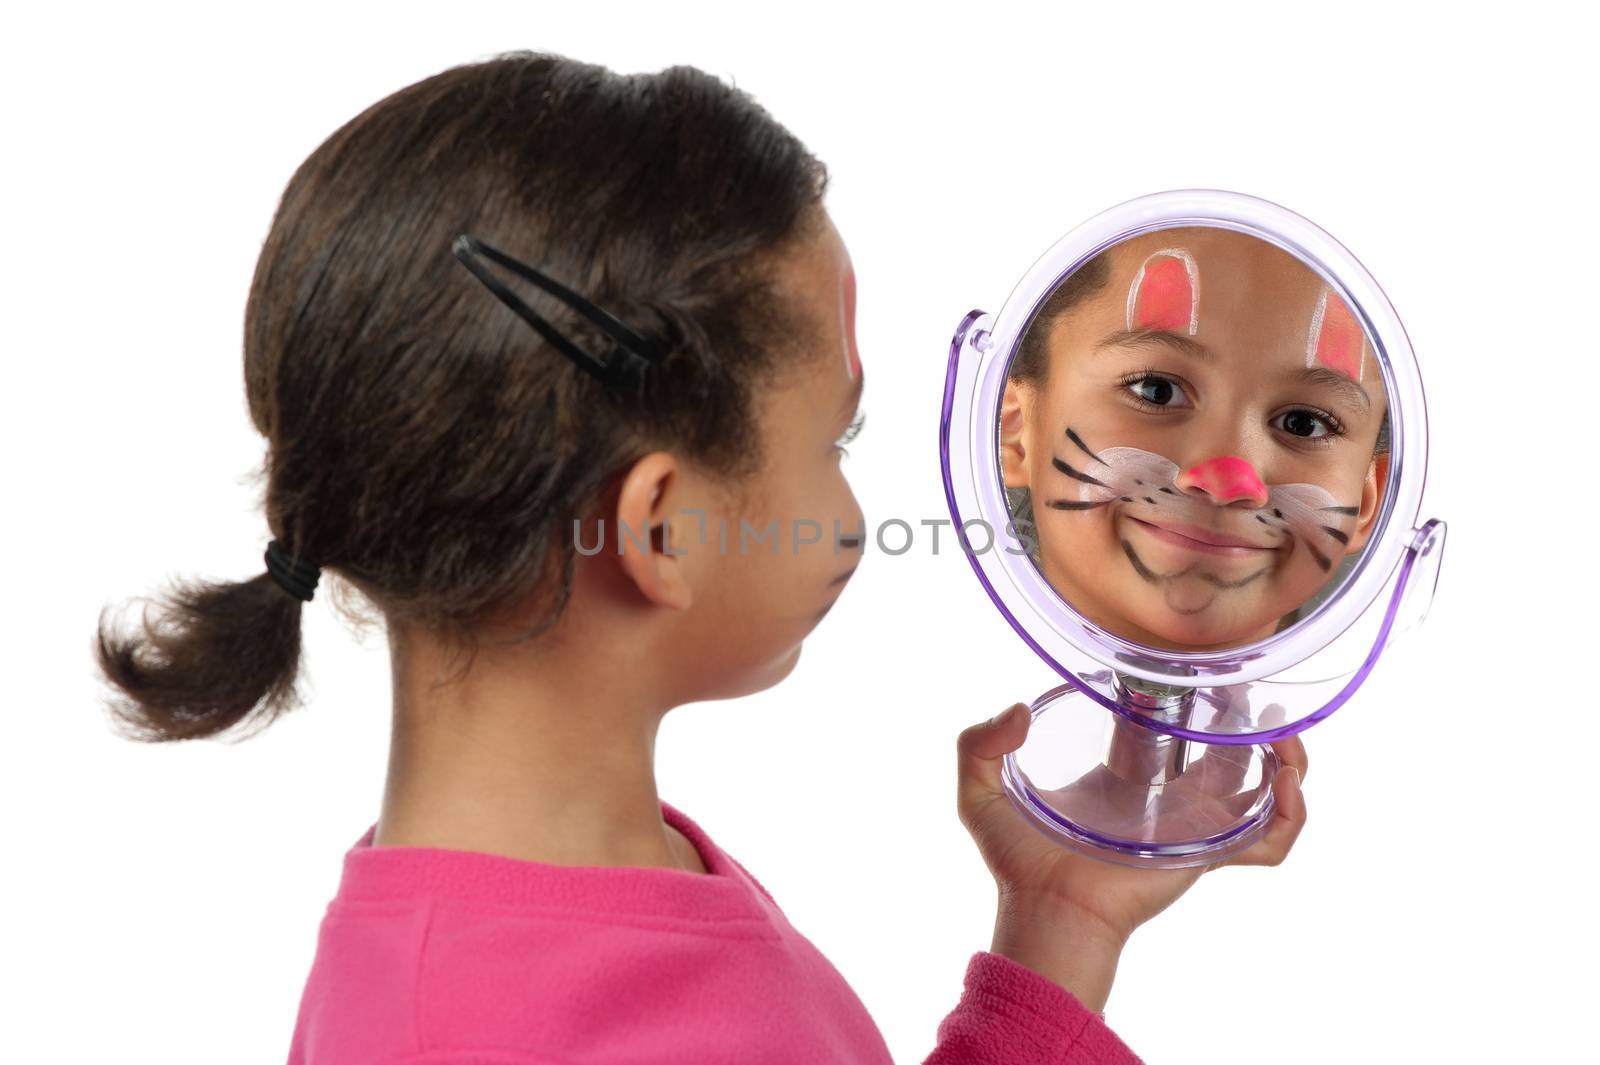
(631, 354)
(298, 577)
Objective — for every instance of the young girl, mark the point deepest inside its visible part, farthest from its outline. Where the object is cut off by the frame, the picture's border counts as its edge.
(555, 368)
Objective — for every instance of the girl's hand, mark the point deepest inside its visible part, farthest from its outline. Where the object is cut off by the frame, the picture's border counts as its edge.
(1067, 915)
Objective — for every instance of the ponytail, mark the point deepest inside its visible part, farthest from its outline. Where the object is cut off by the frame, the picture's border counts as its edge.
(217, 653)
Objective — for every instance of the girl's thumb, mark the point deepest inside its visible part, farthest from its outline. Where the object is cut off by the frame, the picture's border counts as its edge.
(980, 748)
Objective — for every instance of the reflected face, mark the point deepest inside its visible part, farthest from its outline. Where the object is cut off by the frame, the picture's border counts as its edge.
(1196, 429)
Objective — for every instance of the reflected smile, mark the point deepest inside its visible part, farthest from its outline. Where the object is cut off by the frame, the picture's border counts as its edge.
(1203, 541)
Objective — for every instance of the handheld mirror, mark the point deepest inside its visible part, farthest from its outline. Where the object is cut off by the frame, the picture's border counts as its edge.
(1187, 458)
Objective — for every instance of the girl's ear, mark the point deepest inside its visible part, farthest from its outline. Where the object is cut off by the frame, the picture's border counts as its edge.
(644, 502)
(1371, 492)
(1014, 407)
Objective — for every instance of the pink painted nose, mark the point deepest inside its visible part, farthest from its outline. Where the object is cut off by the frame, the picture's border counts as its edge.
(1226, 479)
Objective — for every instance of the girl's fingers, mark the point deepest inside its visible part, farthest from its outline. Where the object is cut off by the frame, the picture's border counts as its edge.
(1226, 767)
(1288, 819)
(980, 748)
(1292, 752)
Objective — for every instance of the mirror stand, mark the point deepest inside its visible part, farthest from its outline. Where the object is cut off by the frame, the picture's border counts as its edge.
(1139, 755)
(1105, 785)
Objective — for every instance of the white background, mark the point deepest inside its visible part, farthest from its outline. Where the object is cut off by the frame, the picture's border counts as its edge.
(161, 903)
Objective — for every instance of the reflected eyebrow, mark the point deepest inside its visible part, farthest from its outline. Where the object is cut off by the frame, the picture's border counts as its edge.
(1346, 386)
(1131, 338)
(1340, 383)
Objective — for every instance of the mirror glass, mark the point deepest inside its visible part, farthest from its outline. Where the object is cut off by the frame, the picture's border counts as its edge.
(1193, 438)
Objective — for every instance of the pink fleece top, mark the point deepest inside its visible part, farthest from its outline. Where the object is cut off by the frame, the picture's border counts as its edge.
(429, 956)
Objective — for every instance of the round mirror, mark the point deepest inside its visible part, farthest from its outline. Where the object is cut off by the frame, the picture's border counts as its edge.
(1186, 458)
(1194, 438)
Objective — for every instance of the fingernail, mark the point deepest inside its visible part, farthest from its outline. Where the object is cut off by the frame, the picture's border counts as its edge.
(1296, 775)
(1005, 716)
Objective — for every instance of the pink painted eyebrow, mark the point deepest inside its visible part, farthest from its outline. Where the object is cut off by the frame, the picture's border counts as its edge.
(1164, 296)
(1336, 340)
(853, 400)
(852, 356)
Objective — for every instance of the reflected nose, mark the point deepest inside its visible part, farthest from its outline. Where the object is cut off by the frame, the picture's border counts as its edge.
(1226, 479)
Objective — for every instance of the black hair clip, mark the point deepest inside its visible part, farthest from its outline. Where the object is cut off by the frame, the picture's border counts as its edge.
(630, 355)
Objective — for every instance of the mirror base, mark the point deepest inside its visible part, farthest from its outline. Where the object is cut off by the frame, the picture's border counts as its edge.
(1073, 779)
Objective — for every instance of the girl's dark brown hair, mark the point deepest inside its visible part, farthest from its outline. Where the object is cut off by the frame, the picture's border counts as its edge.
(1032, 362)
(424, 445)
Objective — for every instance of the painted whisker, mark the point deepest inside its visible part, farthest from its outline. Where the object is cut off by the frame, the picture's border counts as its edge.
(1076, 439)
(1077, 474)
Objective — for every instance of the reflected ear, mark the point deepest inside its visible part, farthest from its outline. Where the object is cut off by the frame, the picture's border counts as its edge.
(1014, 408)
(1372, 490)
(644, 503)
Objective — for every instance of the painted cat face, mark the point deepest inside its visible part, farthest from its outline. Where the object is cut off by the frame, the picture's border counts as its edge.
(1199, 449)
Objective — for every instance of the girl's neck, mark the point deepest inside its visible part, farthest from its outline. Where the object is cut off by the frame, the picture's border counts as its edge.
(532, 755)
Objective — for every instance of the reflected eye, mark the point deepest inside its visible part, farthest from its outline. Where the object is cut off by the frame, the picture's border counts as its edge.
(850, 433)
(1309, 424)
(1153, 390)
